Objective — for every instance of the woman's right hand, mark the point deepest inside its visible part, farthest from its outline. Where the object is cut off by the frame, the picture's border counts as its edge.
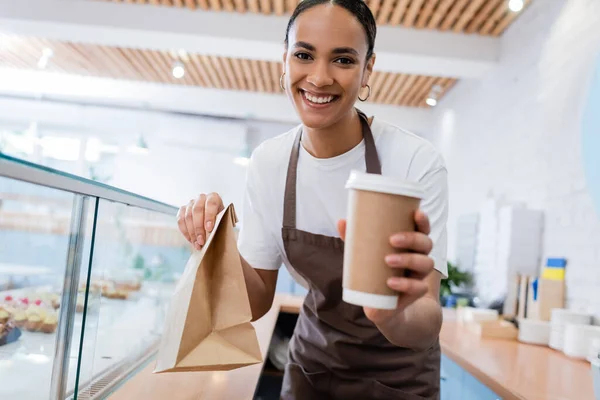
(196, 220)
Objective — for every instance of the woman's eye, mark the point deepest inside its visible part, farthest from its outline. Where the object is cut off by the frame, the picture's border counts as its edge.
(344, 60)
(303, 56)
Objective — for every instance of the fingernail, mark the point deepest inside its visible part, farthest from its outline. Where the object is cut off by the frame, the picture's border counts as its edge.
(197, 246)
(394, 259)
(399, 238)
(201, 240)
(209, 226)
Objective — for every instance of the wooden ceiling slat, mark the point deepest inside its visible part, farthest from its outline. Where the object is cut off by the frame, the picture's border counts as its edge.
(265, 6)
(239, 73)
(110, 54)
(279, 7)
(60, 61)
(162, 66)
(412, 90)
(214, 74)
(374, 6)
(265, 72)
(214, 5)
(229, 73)
(145, 64)
(375, 83)
(507, 20)
(387, 84)
(196, 64)
(240, 6)
(191, 4)
(93, 60)
(166, 2)
(138, 1)
(426, 14)
(394, 83)
(439, 13)
(411, 14)
(252, 85)
(228, 5)
(253, 6)
(453, 15)
(421, 94)
(178, 3)
(154, 2)
(254, 65)
(482, 15)
(203, 4)
(275, 74)
(290, 6)
(467, 15)
(404, 89)
(139, 73)
(500, 11)
(399, 12)
(222, 73)
(385, 11)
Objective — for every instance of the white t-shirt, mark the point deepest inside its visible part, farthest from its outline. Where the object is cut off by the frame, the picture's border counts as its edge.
(321, 194)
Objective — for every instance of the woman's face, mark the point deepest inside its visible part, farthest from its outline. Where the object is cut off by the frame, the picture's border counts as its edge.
(325, 64)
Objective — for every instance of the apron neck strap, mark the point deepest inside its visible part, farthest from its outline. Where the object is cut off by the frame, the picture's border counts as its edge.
(372, 162)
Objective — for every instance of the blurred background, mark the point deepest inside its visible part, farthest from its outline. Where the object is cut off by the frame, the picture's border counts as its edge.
(168, 98)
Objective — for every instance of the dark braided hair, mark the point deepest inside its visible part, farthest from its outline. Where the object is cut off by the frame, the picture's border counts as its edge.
(358, 8)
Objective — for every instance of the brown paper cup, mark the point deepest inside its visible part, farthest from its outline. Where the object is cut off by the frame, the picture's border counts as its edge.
(378, 207)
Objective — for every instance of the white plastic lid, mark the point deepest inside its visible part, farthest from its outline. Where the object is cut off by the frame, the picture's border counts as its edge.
(384, 184)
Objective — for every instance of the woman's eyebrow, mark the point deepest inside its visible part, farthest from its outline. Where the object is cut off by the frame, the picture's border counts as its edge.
(337, 50)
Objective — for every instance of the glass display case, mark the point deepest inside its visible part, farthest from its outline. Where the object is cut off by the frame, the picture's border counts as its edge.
(85, 273)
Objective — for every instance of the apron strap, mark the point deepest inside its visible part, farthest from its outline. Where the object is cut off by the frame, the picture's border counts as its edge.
(289, 199)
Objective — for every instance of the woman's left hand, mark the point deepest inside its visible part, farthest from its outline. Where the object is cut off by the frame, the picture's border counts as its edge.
(413, 256)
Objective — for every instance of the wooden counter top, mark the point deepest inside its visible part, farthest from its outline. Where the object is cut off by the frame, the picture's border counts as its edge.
(511, 369)
(516, 370)
(237, 384)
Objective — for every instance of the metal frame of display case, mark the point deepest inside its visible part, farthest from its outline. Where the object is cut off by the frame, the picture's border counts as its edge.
(86, 191)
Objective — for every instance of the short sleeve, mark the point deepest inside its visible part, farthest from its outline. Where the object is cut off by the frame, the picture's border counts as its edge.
(435, 205)
(428, 168)
(257, 242)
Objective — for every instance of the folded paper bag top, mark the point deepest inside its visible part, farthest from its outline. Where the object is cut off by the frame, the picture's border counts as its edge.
(207, 326)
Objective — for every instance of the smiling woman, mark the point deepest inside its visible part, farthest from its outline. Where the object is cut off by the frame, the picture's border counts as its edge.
(294, 211)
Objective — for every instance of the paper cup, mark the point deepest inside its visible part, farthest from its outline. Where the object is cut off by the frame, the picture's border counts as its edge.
(378, 207)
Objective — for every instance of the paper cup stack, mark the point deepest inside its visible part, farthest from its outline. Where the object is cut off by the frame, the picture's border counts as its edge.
(594, 351)
(559, 319)
(578, 339)
(534, 331)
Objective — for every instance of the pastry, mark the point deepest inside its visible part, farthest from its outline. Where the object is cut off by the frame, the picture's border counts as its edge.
(49, 324)
(4, 315)
(34, 323)
(19, 318)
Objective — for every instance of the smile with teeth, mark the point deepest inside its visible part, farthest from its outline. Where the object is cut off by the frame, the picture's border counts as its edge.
(318, 99)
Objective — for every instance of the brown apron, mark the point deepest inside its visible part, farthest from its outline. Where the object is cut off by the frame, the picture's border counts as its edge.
(336, 352)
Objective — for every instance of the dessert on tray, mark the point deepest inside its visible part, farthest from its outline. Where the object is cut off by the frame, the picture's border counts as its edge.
(8, 333)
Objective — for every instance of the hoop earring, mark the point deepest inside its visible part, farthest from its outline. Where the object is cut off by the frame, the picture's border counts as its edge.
(281, 82)
(368, 94)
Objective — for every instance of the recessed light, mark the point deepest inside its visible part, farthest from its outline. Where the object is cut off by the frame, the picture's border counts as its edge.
(515, 5)
(431, 101)
(178, 70)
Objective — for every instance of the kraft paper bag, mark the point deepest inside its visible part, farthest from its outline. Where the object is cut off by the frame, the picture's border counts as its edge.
(207, 327)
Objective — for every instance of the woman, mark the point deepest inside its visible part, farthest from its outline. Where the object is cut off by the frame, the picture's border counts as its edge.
(293, 213)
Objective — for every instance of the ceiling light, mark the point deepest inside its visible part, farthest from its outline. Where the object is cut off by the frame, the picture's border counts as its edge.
(515, 5)
(434, 93)
(47, 53)
(178, 70)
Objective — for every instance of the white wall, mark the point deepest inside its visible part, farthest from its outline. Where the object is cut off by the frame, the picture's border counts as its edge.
(517, 133)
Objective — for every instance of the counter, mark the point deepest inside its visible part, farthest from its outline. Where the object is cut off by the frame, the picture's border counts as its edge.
(515, 370)
(509, 368)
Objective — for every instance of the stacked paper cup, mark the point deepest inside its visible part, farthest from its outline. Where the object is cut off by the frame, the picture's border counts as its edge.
(594, 350)
(534, 331)
(578, 339)
(560, 317)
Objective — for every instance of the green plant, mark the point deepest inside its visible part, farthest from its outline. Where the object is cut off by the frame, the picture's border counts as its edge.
(456, 278)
